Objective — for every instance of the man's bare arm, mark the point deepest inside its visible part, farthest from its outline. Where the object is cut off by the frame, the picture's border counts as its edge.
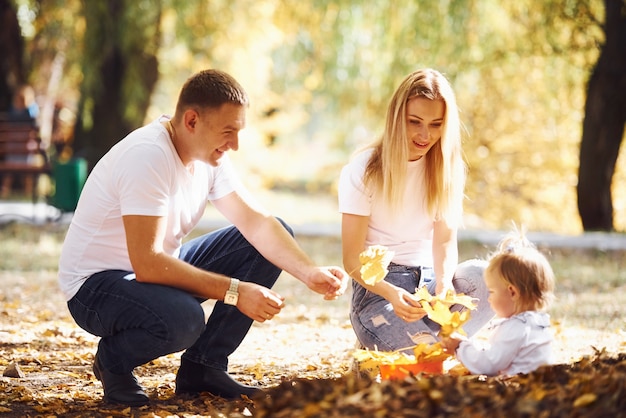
(144, 237)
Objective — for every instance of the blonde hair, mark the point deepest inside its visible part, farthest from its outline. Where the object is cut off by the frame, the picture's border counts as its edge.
(445, 169)
(518, 262)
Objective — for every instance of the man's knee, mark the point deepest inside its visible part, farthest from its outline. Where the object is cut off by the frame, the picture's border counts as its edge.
(186, 324)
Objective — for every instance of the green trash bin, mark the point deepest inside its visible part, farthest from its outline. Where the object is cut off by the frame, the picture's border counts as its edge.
(69, 179)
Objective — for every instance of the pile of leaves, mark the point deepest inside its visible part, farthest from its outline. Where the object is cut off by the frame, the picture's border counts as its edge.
(594, 386)
(591, 387)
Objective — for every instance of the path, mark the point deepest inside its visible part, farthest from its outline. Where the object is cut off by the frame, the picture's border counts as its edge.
(42, 213)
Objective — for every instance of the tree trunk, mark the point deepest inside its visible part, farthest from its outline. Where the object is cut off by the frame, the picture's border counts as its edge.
(603, 126)
(12, 72)
(121, 71)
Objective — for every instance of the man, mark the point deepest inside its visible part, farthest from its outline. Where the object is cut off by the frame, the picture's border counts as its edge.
(128, 279)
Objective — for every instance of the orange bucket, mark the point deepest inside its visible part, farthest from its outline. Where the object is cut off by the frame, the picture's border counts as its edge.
(401, 371)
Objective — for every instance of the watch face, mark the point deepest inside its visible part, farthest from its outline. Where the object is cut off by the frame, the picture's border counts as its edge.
(231, 298)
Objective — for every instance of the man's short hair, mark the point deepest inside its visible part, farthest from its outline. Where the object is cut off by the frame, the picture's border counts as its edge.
(211, 89)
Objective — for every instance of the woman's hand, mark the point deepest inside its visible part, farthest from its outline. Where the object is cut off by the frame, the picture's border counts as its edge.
(406, 305)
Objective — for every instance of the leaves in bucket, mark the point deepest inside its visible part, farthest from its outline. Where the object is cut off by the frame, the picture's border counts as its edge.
(374, 262)
(371, 359)
(426, 353)
(423, 353)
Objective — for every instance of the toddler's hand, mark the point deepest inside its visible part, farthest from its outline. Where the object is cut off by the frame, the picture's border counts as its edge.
(450, 344)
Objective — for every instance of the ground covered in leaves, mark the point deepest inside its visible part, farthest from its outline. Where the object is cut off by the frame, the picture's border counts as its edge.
(302, 359)
(588, 388)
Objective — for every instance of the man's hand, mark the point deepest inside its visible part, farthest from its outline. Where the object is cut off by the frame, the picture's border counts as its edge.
(328, 281)
(258, 302)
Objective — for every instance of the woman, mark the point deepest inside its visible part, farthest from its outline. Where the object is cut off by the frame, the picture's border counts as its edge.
(405, 192)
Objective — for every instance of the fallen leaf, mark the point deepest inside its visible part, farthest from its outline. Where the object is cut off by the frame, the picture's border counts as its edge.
(374, 262)
(13, 370)
(585, 400)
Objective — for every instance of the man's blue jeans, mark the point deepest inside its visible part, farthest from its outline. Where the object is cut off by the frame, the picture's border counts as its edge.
(139, 322)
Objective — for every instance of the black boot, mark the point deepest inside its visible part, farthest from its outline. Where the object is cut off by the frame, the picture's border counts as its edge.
(119, 388)
(193, 378)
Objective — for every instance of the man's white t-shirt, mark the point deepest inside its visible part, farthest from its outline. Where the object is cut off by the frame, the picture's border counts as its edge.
(408, 232)
(141, 175)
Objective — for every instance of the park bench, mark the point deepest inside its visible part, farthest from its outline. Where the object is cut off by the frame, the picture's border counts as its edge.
(22, 152)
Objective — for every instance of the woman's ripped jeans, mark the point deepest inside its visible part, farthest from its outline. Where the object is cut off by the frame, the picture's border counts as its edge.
(378, 327)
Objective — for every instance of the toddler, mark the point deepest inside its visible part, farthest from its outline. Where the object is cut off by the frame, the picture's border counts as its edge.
(521, 283)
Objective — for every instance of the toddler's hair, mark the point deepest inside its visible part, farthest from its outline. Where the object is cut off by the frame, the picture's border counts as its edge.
(518, 262)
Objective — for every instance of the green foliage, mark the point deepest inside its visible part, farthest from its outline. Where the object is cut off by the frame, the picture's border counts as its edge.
(519, 70)
(320, 74)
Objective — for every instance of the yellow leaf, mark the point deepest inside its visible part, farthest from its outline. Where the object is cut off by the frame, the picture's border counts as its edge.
(374, 262)
(425, 353)
(422, 294)
(460, 299)
(258, 370)
(438, 309)
(438, 312)
(450, 321)
(458, 369)
(370, 359)
(450, 298)
(584, 400)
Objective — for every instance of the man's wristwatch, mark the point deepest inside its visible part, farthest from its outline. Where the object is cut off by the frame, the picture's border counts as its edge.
(232, 295)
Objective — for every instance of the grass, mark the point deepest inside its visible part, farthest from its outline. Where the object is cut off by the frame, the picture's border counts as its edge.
(591, 284)
(591, 287)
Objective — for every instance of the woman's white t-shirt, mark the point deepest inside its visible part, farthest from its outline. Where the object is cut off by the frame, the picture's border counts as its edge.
(141, 175)
(408, 232)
